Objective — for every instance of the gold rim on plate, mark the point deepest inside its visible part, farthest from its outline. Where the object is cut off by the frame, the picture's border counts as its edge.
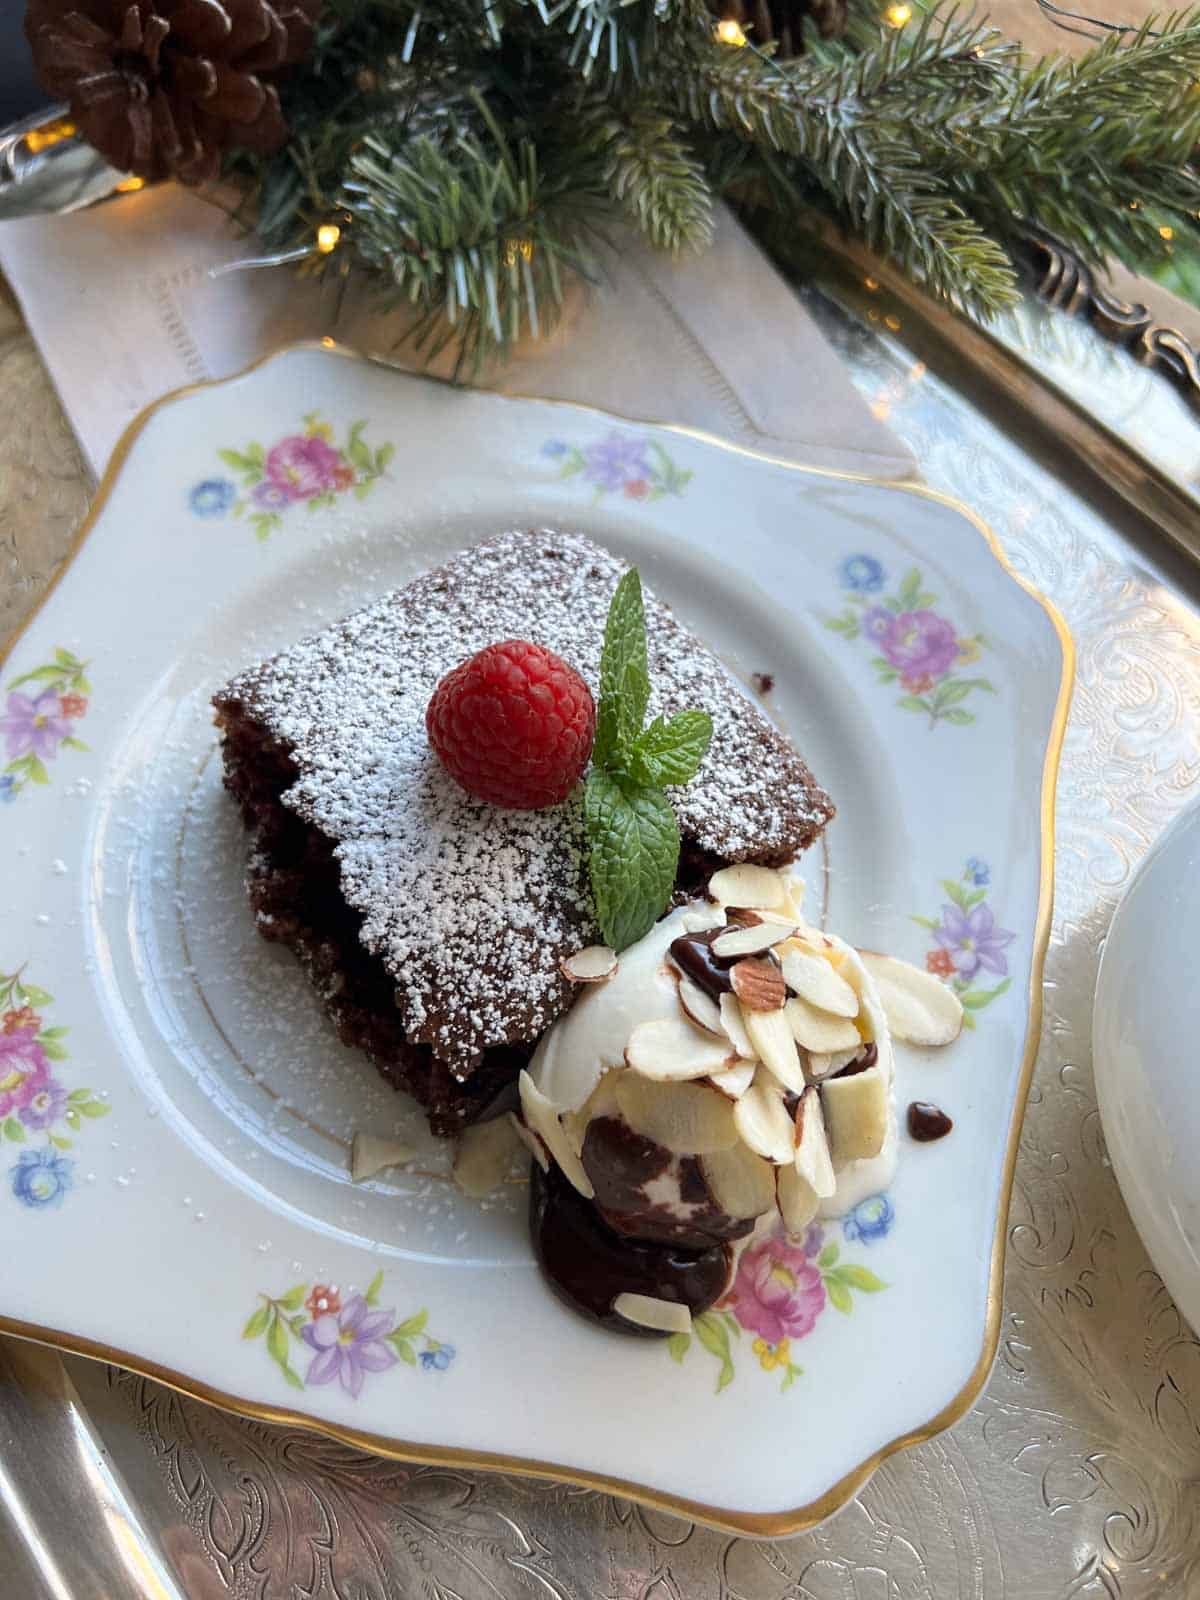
(774, 1524)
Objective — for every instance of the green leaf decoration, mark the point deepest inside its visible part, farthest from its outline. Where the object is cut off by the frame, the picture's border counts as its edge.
(678, 1345)
(66, 659)
(55, 1051)
(671, 752)
(383, 456)
(60, 1143)
(624, 675)
(294, 1298)
(950, 691)
(403, 1349)
(828, 1256)
(14, 1130)
(373, 1288)
(239, 462)
(976, 999)
(37, 770)
(790, 1377)
(414, 1325)
(54, 1033)
(713, 1335)
(909, 593)
(38, 675)
(257, 1324)
(72, 743)
(732, 1323)
(634, 851)
(71, 1118)
(839, 1296)
(863, 1278)
(914, 702)
(956, 892)
(925, 922)
(35, 996)
(78, 1096)
(277, 1346)
(958, 716)
(94, 1109)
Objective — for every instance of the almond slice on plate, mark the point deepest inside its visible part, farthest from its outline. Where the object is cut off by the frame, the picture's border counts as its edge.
(734, 1081)
(485, 1156)
(701, 1008)
(775, 1046)
(814, 980)
(542, 1117)
(532, 1141)
(731, 1022)
(596, 963)
(670, 1048)
(742, 1184)
(796, 1198)
(370, 1154)
(647, 1311)
(747, 885)
(689, 1119)
(602, 1102)
(762, 1120)
(856, 1115)
(749, 939)
(825, 1064)
(758, 985)
(813, 1161)
(920, 1009)
(819, 1030)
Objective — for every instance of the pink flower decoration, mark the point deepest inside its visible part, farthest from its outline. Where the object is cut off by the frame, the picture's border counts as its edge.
(348, 1345)
(778, 1292)
(919, 644)
(34, 726)
(303, 466)
(24, 1069)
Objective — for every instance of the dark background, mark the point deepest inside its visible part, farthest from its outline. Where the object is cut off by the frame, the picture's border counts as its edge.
(19, 95)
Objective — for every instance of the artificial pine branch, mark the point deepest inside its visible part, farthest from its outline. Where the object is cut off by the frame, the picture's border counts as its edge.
(653, 175)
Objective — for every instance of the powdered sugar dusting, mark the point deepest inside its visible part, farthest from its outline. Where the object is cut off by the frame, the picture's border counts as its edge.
(471, 908)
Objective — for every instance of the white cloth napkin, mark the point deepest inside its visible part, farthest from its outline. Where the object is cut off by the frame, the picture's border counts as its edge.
(124, 308)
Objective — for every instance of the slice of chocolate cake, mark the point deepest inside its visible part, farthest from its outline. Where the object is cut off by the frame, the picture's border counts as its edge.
(433, 925)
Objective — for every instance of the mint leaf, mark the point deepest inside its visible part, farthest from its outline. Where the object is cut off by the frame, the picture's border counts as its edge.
(624, 675)
(671, 752)
(634, 840)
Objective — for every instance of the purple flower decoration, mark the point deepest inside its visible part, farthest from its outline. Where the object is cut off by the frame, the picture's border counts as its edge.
(34, 726)
(348, 1345)
(616, 460)
(46, 1106)
(919, 644)
(24, 1069)
(303, 466)
(973, 940)
(879, 624)
(270, 496)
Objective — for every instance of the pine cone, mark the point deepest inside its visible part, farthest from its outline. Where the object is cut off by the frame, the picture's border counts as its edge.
(780, 21)
(162, 87)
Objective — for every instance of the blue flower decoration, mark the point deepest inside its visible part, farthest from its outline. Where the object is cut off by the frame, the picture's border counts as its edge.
(438, 1357)
(554, 448)
(863, 574)
(213, 497)
(8, 787)
(978, 872)
(871, 1219)
(42, 1177)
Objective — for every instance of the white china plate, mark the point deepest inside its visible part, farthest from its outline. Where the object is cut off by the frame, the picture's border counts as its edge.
(175, 1112)
(1146, 1007)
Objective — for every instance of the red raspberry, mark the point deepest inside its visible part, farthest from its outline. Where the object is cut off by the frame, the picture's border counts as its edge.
(514, 725)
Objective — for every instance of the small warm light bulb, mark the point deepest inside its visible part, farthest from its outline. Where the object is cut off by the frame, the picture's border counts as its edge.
(1166, 233)
(871, 283)
(897, 16)
(730, 32)
(518, 249)
(328, 235)
(130, 185)
(50, 133)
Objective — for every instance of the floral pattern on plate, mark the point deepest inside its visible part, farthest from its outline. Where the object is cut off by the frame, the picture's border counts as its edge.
(914, 644)
(968, 943)
(308, 467)
(37, 1110)
(38, 720)
(342, 1339)
(780, 1290)
(632, 464)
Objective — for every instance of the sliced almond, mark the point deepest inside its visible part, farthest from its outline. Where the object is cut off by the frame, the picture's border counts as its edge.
(814, 980)
(701, 1008)
(532, 1141)
(761, 1119)
(670, 1048)
(485, 1156)
(813, 1161)
(647, 1311)
(856, 1115)
(734, 1081)
(796, 1198)
(747, 885)
(370, 1154)
(542, 1117)
(758, 984)
(596, 963)
(920, 1009)
(602, 1102)
(751, 938)
(775, 1046)
(741, 1183)
(823, 1065)
(685, 1118)
(819, 1030)
(731, 1022)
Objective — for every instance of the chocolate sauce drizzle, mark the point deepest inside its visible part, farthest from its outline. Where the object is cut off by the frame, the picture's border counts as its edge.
(927, 1122)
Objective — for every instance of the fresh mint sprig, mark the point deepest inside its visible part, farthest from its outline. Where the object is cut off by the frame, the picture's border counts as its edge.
(632, 832)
